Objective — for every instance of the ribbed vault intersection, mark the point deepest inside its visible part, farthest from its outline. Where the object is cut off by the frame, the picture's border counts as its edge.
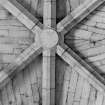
(49, 41)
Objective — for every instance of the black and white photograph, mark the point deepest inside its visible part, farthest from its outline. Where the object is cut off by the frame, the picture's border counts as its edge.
(52, 52)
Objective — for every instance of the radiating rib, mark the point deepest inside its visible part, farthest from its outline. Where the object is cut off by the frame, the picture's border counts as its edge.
(48, 77)
(19, 63)
(22, 15)
(48, 68)
(69, 56)
(78, 15)
(49, 13)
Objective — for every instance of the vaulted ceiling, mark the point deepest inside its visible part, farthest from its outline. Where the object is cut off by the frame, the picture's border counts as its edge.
(40, 26)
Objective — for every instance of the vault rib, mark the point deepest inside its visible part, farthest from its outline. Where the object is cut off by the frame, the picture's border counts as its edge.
(73, 18)
(81, 67)
(49, 13)
(19, 63)
(48, 77)
(48, 65)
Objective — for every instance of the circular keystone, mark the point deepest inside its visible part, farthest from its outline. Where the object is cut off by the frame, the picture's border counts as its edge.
(49, 38)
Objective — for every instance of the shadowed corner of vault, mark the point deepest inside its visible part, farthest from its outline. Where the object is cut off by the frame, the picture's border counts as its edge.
(87, 39)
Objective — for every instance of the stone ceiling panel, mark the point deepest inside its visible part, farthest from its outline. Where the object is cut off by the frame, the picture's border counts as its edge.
(88, 39)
